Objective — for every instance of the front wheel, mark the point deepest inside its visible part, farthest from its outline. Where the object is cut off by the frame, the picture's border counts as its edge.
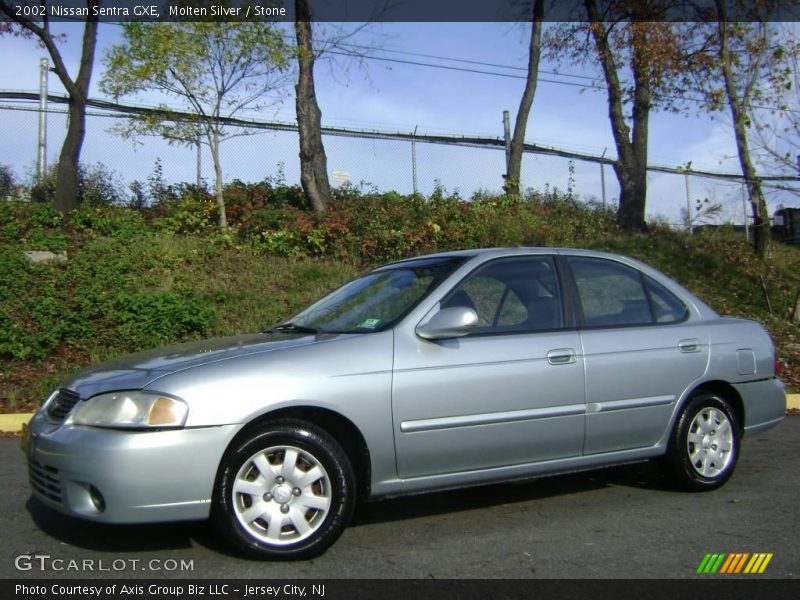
(286, 491)
(704, 446)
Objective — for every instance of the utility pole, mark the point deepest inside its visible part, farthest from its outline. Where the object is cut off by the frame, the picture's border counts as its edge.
(41, 156)
(507, 137)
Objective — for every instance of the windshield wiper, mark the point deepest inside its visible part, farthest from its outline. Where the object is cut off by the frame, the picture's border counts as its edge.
(292, 327)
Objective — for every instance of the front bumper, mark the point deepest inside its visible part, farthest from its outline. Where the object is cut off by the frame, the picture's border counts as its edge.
(140, 476)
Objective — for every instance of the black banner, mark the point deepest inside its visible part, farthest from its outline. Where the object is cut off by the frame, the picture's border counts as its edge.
(198, 589)
(389, 10)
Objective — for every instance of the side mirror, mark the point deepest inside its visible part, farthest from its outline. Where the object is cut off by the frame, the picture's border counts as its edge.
(449, 323)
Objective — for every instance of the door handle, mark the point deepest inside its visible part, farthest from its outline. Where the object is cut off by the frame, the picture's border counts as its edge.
(561, 356)
(688, 346)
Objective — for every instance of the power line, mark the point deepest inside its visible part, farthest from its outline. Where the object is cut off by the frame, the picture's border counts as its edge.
(343, 45)
(497, 143)
(462, 69)
(597, 86)
(454, 59)
(594, 86)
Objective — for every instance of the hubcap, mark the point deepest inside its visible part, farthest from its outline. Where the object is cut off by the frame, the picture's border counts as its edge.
(281, 495)
(710, 442)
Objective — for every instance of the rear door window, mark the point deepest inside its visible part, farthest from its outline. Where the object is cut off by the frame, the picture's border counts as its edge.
(615, 295)
(611, 294)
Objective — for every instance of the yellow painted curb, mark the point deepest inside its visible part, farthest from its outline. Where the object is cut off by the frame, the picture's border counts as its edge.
(14, 422)
(793, 401)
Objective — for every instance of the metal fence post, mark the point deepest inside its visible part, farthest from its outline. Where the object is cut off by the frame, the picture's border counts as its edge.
(41, 157)
(688, 203)
(414, 160)
(507, 138)
(744, 213)
(603, 176)
(199, 163)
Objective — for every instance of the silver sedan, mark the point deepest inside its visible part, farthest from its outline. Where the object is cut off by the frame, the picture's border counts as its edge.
(436, 372)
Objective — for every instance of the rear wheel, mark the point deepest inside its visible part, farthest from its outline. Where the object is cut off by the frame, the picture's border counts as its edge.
(704, 446)
(286, 491)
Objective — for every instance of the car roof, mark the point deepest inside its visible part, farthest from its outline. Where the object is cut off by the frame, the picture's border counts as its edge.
(521, 250)
(480, 255)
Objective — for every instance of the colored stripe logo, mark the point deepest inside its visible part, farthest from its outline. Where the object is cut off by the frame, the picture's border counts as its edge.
(737, 562)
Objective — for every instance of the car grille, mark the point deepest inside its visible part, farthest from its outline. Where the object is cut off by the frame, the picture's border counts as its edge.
(64, 402)
(45, 480)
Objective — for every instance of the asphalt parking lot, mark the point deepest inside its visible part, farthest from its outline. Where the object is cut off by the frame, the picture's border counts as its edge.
(617, 523)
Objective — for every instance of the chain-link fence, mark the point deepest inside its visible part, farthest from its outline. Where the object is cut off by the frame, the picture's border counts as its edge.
(384, 161)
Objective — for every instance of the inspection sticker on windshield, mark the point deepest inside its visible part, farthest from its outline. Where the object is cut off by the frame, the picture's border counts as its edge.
(370, 323)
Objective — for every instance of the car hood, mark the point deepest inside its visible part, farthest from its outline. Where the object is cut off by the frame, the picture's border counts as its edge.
(136, 371)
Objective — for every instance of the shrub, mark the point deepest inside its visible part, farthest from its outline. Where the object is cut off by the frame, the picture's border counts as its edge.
(43, 190)
(110, 295)
(31, 226)
(100, 186)
(149, 319)
(193, 212)
(112, 221)
(243, 199)
(380, 227)
(7, 182)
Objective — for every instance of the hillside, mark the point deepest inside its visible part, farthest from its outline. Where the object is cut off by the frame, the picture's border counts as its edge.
(135, 279)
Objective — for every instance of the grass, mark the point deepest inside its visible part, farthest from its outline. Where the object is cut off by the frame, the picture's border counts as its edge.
(231, 290)
(127, 287)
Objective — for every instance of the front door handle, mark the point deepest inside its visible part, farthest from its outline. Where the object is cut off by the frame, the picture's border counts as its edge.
(562, 356)
(687, 346)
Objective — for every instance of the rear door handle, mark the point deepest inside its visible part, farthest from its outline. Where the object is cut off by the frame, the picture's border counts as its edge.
(561, 356)
(688, 346)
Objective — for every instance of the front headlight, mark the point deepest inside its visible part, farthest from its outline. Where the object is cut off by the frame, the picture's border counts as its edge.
(131, 410)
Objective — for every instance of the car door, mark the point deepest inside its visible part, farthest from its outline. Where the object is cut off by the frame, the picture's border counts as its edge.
(641, 351)
(511, 392)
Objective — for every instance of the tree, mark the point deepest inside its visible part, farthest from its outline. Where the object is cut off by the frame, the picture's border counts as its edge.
(643, 59)
(777, 128)
(68, 177)
(217, 69)
(513, 176)
(777, 125)
(744, 66)
(739, 98)
(313, 161)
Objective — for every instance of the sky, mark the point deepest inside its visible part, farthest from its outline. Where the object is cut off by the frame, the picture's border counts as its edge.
(389, 96)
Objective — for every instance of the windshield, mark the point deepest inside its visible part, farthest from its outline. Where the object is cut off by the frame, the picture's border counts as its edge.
(375, 301)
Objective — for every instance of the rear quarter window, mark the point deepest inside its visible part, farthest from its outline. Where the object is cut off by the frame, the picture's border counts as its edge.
(667, 307)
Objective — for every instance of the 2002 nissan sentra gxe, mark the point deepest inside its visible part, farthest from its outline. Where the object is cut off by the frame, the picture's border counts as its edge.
(435, 372)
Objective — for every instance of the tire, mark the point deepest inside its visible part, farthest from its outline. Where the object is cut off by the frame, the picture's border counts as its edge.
(704, 446)
(286, 491)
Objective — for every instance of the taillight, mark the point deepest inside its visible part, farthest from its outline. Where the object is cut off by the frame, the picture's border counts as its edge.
(778, 366)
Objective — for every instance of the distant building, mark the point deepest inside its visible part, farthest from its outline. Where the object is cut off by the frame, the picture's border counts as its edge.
(786, 225)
